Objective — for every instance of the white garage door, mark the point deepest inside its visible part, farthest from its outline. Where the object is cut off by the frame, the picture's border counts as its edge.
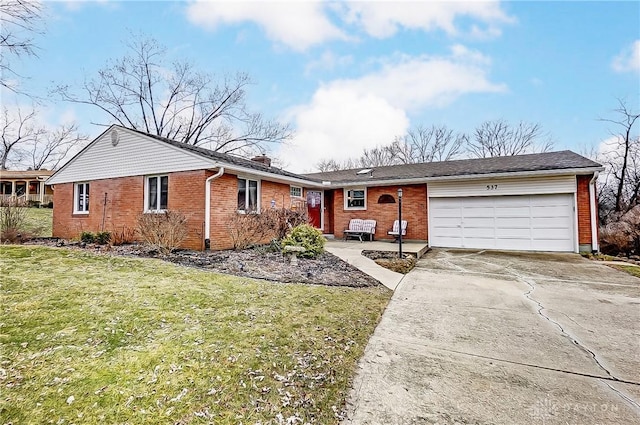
(528, 222)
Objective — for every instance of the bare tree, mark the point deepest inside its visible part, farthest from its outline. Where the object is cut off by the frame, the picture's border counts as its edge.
(423, 144)
(327, 165)
(499, 138)
(429, 144)
(18, 24)
(144, 92)
(26, 143)
(49, 150)
(622, 158)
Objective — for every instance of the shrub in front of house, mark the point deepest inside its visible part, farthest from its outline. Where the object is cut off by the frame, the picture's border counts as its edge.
(88, 237)
(163, 231)
(13, 219)
(307, 237)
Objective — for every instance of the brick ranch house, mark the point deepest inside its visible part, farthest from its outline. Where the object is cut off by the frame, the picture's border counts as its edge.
(536, 202)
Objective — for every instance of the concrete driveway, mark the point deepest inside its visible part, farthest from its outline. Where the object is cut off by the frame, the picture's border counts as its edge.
(502, 338)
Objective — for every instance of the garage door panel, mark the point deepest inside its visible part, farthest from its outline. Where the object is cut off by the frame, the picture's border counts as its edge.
(513, 222)
(514, 244)
(549, 234)
(551, 222)
(447, 212)
(510, 201)
(450, 232)
(549, 211)
(448, 221)
(476, 211)
(479, 232)
(549, 245)
(471, 222)
(526, 222)
(506, 211)
(514, 233)
(450, 241)
(481, 243)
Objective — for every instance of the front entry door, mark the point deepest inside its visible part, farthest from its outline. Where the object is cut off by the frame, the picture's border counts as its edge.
(314, 208)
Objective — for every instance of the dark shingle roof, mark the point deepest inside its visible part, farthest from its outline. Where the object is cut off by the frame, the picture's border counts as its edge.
(224, 157)
(562, 160)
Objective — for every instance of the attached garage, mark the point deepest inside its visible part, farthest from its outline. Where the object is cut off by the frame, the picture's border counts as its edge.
(533, 202)
(533, 214)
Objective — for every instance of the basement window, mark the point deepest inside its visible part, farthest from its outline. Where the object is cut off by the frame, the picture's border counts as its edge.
(157, 193)
(81, 198)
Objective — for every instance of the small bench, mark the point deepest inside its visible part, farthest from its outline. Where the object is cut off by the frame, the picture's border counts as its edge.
(359, 228)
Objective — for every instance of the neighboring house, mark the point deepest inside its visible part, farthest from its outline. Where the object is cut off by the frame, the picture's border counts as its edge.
(539, 202)
(27, 186)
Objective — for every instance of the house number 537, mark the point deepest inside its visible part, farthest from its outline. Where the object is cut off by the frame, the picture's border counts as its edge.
(492, 186)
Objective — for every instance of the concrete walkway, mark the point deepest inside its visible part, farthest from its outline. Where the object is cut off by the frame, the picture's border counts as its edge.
(351, 252)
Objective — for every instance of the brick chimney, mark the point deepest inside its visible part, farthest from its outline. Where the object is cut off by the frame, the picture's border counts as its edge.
(262, 159)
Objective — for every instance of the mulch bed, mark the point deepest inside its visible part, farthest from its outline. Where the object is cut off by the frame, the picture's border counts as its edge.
(257, 263)
(390, 260)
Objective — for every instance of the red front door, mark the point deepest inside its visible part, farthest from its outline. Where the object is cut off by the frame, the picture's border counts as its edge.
(314, 208)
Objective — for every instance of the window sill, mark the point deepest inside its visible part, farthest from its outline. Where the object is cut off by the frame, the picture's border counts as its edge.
(355, 209)
(155, 211)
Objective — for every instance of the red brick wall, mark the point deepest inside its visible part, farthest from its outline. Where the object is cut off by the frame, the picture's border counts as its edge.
(414, 210)
(125, 202)
(224, 201)
(584, 212)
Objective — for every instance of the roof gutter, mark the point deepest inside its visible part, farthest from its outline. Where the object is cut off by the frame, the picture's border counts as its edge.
(592, 208)
(207, 207)
(418, 180)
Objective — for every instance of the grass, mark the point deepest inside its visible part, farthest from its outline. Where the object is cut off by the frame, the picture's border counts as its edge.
(39, 221)
(632, 270)
(97, 339)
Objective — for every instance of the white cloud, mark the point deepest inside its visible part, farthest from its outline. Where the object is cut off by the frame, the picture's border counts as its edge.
(415, 82)
(339, 123)
(298, 25)
(629, 59)
(345, 116)
(302, 24)
(384, 19)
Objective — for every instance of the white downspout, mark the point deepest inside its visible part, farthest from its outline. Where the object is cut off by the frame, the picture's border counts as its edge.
(207, 207)
(592, 209)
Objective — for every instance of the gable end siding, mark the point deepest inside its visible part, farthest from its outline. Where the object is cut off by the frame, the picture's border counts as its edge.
(134, 155)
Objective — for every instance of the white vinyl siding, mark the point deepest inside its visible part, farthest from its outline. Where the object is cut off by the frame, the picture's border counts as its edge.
(526, 222)
(134, 155)
(81, 198)
(498, 187)
(355, 199)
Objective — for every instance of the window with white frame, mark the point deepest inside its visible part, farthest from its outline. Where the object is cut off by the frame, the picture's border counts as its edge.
(355, 199)
(247, 195)
(81, 198)
(295, 191)
(156, 193)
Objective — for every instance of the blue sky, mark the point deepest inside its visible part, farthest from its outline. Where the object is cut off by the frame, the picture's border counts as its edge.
(350, 75)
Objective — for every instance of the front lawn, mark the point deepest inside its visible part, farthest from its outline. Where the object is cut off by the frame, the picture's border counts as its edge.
(97, 339)
(39, 221)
